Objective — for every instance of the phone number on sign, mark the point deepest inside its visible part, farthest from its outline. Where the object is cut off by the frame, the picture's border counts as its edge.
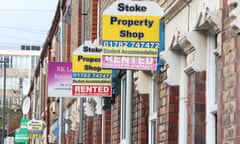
(130, 44)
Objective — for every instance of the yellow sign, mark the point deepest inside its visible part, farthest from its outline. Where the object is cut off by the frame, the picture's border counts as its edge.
(88, 77)
(88, 64)
(131, 28)
(35, 136)
(35, 126)
(35, 129)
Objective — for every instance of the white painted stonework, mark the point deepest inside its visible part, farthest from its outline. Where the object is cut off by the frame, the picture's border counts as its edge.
(88, 108)
(98, 108)
(234, 14)
(187, 25)
(173, 62)
(143, 82)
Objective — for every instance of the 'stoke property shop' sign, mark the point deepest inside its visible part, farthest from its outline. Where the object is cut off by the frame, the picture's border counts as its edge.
(131, 35)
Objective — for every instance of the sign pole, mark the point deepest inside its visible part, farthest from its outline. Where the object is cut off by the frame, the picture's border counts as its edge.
(131, 41)
(61, 58)
(128, 106)
(4, 97)
(80, 99)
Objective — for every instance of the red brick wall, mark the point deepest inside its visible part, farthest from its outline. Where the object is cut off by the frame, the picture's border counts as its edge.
(116, 117)
(69, 138)
(168, 108)
(89, 130)
(68, 48)
(228, 89)
(94, 19)
(196, 108)
(93, 128)
(143, 108)
(140, 112)
(80, 24)
(107, 128)
(97, 129)
(75, 137)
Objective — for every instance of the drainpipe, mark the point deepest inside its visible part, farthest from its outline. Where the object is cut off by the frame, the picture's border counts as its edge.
(98, 37)
(40, 94)
(61, 58)
(80, 99)
(34, 98)
(40, 89)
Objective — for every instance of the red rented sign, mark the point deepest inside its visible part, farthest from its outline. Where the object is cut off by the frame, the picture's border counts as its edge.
(92, 90)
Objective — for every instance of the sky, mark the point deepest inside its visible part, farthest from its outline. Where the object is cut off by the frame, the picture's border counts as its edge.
(25, 22)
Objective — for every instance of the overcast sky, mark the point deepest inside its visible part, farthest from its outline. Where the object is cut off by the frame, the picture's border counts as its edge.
(25, 22)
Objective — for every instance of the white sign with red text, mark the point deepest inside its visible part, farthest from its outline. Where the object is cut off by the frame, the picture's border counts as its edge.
(90, 90)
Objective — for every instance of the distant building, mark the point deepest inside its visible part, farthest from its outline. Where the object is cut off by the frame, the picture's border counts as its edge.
(20, 64)
(30, 47)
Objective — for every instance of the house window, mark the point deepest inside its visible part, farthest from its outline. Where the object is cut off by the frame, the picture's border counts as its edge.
(123, 107)
(216, 129)
(20, 83)
(153, 112)
(8, 61)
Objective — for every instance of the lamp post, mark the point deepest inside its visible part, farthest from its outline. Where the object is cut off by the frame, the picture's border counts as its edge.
(4, 97)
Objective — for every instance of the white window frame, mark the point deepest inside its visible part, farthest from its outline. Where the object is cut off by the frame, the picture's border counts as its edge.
(211, 104)
(152, 119)
(123, 109)
(183, 90)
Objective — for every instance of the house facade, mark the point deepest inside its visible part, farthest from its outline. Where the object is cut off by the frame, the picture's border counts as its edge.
(192, 99)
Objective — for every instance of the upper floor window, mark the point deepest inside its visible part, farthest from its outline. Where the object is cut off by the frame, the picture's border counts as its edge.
(19, 61)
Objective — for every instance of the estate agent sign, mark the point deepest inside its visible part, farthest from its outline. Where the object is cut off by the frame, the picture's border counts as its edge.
(131, 35)
(88, 78)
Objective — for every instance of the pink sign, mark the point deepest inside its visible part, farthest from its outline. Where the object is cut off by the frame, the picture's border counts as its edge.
(141, 63)
(59, 79)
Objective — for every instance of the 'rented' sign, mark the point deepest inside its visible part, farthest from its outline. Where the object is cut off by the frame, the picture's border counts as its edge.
(131, 35)
(88, 78)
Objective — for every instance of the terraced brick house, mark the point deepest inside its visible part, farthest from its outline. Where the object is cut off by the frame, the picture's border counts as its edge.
(192, 99)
